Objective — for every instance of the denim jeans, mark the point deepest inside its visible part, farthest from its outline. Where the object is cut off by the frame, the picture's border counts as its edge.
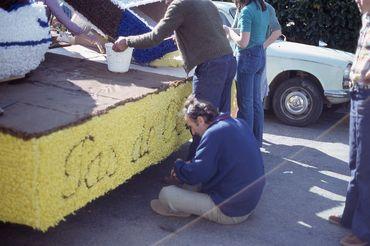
(212, 82)
(264, 85)
(250, 66)
(356, 214)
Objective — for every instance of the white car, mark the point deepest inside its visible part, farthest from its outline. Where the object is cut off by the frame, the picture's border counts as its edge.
(303, 79)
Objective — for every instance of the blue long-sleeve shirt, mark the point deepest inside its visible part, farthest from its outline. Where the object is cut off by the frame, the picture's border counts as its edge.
(228, 164)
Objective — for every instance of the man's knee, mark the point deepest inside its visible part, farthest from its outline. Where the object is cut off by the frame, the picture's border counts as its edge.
(166, 193)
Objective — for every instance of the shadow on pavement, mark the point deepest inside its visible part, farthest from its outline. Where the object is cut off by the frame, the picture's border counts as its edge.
(328, 120)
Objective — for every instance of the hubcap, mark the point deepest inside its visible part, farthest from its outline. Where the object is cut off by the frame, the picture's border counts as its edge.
(296, 103)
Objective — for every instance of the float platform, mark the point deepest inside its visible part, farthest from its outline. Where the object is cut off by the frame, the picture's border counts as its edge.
(72, 131)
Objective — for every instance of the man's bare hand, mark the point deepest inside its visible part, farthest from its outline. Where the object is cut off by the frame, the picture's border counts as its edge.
(174, 38)
(90, 39)
(367, 74)
(120, 45)
(171, 179)
(227, 30)
(173, 174)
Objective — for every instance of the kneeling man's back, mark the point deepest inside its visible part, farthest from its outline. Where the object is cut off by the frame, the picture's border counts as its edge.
(228, 164)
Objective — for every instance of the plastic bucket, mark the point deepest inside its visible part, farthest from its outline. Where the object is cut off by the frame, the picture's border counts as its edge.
(118, 62)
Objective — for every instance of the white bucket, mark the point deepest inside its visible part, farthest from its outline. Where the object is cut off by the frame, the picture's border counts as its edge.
(118, 62)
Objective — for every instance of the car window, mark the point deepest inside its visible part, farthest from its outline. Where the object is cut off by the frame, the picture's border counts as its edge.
(232, 12)
(224, 19)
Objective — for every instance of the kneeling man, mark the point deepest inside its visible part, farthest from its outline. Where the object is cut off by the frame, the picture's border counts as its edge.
(227, 166)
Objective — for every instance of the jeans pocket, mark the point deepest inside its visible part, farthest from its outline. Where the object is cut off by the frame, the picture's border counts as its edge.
(248, 64)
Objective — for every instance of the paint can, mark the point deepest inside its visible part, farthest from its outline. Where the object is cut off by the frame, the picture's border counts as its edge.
(118, 62)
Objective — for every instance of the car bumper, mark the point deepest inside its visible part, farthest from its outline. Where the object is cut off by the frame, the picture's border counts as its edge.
(337, 96)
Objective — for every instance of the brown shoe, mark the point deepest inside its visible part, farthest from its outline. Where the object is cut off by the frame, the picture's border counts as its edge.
(336, 220)
(159, 208)
(352, 240)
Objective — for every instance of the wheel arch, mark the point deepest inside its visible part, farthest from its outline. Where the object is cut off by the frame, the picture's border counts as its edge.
(306, 105)
(285, 75)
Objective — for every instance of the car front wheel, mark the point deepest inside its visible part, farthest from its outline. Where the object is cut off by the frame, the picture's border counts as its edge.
(297, 102)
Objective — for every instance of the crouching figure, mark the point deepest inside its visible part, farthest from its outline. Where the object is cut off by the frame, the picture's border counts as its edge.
(227, 170)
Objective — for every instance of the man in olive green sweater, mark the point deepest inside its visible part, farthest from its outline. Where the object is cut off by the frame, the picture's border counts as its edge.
(203, 44)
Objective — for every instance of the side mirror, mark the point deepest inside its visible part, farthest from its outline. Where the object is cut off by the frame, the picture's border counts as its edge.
(322, 43)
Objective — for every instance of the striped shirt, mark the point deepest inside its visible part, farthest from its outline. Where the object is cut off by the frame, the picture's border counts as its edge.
(360, 72)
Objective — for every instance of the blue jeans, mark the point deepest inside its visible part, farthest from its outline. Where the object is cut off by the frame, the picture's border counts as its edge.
(356, 214)
(264, 85)
(212, 82)
(251, 64)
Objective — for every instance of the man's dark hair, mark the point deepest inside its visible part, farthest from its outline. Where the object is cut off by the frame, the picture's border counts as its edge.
(258, 2)
(194, 108)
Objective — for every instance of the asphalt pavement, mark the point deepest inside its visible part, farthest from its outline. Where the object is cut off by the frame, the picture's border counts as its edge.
(307, 176)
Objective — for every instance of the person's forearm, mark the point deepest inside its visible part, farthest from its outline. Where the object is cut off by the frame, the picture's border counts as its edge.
(238, 39)
(234, 36)
(199, 170)
(165, 28)
(367, 77)
(146, 40)
(272, 38)
(183, 174)
(366, 69)
(58, 12)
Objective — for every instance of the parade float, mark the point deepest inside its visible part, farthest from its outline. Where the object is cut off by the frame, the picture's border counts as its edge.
(72, 130)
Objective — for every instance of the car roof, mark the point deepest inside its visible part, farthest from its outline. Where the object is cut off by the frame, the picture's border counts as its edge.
(225, 6)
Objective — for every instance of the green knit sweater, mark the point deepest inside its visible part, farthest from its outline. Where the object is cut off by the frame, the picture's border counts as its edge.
(198, 28)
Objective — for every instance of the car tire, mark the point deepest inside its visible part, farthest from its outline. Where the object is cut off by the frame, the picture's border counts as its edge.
(298, 102)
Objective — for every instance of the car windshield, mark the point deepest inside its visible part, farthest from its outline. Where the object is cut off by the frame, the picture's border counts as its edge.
(232, 12)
